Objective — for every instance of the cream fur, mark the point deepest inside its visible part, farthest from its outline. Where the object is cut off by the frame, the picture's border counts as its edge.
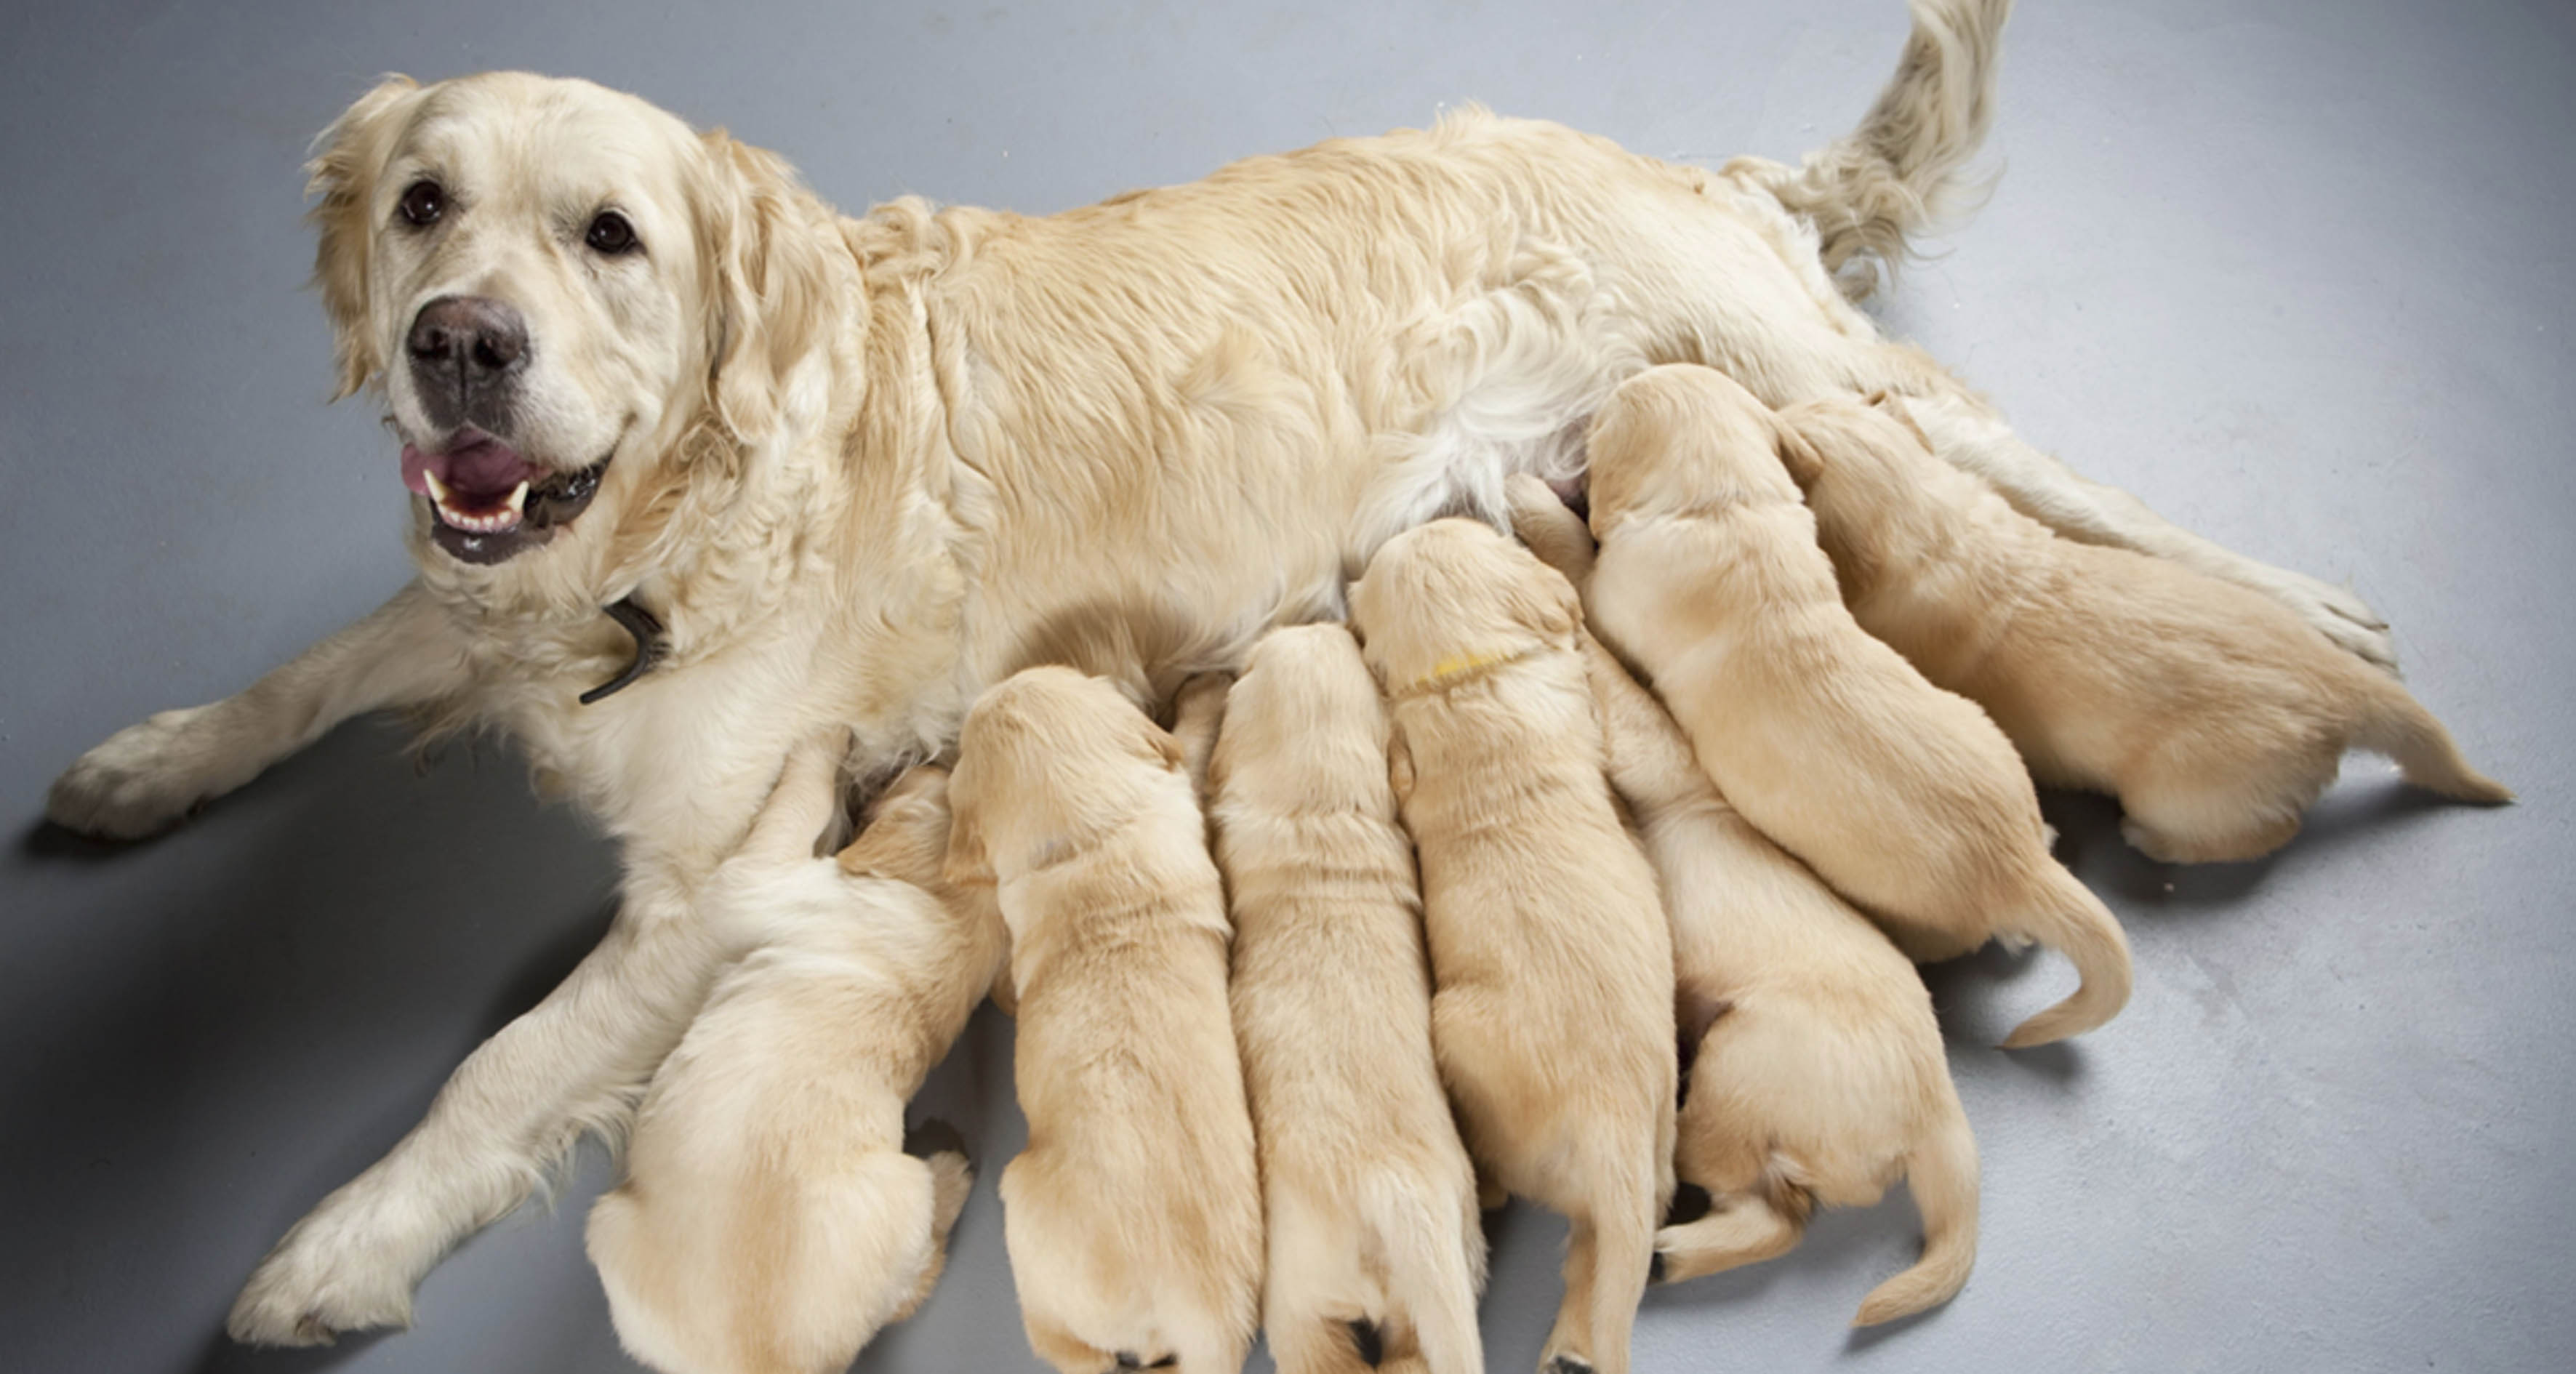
(2212, 713)
(1134, 1215)
(864, 467)
(770, 1221)
(1905, 797)
(1552, 965)
(1369, 1196)
(1819, 1074)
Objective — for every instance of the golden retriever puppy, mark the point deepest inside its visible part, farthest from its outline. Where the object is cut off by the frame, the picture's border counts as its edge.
(1376, 1249)
(1905, 797)
(770, 1222)
(1552, 1015)
(1819, 1074)
(2213, 714)
(1134, 1215)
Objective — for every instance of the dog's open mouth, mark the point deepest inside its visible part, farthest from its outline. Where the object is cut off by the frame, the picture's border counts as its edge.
(487, 503)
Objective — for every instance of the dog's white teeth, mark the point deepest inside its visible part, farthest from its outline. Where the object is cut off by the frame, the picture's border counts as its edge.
(513, 509)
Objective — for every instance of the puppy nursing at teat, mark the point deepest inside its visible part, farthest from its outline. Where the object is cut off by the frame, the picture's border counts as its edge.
(1133, 1217)
(1376, 1248)
(1819, 1074)
(1904, 797)
(770, 1222)
(2215, 716)
(1552, 1014)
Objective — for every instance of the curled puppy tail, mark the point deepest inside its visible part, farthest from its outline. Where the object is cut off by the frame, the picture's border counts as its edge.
(2397, 725)
(1900, 170)
(1942, 1175)
(2071, 920)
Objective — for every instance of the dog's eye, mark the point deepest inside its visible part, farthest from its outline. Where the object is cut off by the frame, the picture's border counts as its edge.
(609, 233)
(423, 202)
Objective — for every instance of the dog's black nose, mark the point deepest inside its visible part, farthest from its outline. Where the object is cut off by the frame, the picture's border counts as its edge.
(468, 339)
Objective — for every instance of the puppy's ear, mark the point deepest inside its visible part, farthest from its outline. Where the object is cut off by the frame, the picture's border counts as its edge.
(1176, 754)
(1399, 766)
(1797, 447)
(341, 180)
(768, 244)
(969, 862)
(1006, 994)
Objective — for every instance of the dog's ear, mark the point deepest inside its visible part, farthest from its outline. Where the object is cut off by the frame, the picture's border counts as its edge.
(341, 180)
(1006, 993)
(969, 862)
(767, 244)
(1797, 447)
(1399, 766)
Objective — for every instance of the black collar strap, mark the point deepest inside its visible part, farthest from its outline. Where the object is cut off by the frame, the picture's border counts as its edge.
(649, 647)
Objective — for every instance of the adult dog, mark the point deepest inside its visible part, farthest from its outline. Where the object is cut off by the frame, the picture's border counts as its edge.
(853, 471)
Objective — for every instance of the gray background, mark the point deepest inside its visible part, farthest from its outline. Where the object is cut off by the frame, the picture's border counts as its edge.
(2298, 274)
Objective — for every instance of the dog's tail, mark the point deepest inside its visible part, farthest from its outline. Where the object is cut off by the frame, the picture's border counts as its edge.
(1435, 1264)
(1942, 1175)
(2068, 918)
(1899, 172)
(2394, 723)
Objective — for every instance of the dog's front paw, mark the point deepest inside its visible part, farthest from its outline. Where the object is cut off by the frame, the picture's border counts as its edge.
(334, 1272)
(146, 777)
(2341, 615)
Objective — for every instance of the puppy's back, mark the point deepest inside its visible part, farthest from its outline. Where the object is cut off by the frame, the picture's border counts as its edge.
(1371, 1199)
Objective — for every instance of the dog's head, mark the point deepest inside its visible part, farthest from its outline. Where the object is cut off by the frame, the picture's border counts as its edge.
(553, 285)
(1452, 599)
(1049, 761)
(1304, 729)
(1680, 440)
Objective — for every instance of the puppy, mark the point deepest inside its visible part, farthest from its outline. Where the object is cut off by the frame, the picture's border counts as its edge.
(1904, 797)
(1819, 1074)
(2213, 714)
(1376, 1249)
(1134, 1216)
(770, 1220)
(1552, 1019)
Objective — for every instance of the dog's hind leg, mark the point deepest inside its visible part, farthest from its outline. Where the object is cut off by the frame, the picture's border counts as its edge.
(950, 1179)
(1964, 432)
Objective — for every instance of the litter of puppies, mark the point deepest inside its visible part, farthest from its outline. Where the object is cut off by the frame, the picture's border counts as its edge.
(1417, 912)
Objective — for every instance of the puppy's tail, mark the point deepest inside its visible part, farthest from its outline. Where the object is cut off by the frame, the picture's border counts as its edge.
(1435, 1258)
(2068, 918)
(1899, 172)
(1943, 1178)
(2396, 724)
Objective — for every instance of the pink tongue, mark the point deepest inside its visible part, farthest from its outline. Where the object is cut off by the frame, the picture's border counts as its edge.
(486, 468)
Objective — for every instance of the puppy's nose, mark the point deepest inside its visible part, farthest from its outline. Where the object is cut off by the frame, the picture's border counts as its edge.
(471, 339)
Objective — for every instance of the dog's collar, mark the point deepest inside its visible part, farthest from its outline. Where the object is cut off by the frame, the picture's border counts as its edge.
(650, 645)
(1458, 668)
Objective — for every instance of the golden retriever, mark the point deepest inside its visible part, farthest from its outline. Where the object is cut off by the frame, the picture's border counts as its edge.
(770, 1221)
(1376, 1248)
(1819, 1074)
(1133, 1217)
(1551, 962)
(715, 467)
(2212, 713)
(1904, 797)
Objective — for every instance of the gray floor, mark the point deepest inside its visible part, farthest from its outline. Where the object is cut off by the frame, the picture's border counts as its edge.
(2297, 274)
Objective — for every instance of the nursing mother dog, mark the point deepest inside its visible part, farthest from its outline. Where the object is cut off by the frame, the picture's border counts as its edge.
(701, 466)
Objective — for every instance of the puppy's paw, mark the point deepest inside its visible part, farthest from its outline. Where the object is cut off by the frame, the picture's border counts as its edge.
(147, 777)
(338, 1270)
(2339, 614)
